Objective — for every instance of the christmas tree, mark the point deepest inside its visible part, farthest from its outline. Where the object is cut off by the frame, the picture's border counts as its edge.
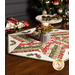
(60, 7)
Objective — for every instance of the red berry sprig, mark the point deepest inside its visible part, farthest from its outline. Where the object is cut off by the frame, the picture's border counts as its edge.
(44, 29)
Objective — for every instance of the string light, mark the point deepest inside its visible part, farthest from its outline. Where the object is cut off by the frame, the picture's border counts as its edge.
(50, 8)
(64, 15)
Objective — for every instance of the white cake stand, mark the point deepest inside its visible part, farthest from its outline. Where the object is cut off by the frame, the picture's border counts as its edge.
(39, 18)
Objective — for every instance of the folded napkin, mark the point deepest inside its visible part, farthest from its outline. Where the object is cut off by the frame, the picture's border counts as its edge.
(13, 23)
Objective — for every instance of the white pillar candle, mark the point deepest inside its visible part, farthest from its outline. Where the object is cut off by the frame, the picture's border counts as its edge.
(45, 24)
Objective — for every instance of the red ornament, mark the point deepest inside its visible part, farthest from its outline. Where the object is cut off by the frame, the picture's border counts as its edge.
(56, 2)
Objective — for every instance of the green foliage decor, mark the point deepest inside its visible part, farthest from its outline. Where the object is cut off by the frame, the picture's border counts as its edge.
(44, 29)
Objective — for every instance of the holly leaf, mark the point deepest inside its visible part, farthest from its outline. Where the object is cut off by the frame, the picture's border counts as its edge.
(38, 56)
(12, 40)
(30, 54)
(29, 31)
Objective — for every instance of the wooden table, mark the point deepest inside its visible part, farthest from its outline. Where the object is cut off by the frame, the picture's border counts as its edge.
(15, 65)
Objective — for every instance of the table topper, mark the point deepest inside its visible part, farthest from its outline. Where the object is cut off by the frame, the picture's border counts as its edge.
(27, 44)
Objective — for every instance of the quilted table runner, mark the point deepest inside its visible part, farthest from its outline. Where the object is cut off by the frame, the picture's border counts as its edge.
(27, 44)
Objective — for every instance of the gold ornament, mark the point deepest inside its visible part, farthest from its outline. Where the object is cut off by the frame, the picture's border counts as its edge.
(61, 0)
(44, 18)
(60, 11)
(48, 18)
(47, 2)
(52, 2)
(56, 17)
(44, 12)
